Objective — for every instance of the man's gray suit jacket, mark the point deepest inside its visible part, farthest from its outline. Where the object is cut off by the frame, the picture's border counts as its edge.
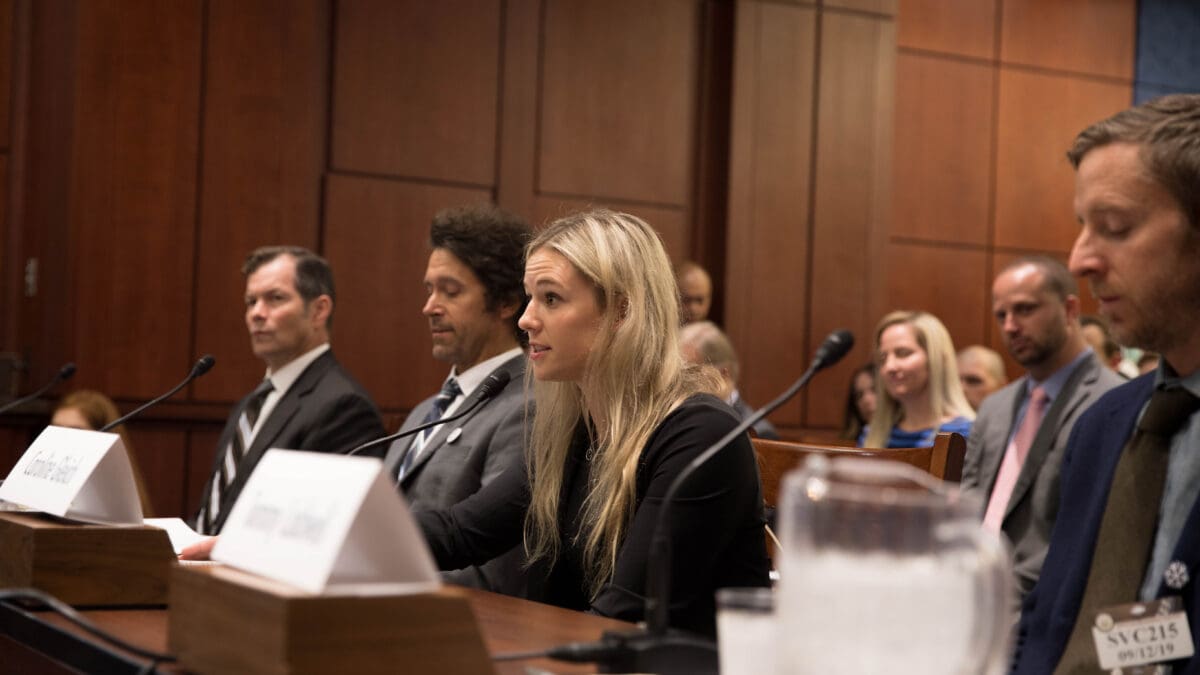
(462, 457)
(1033, 506)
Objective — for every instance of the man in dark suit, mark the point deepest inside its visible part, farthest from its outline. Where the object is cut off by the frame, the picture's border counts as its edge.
(306, 401)
(703, 342)
(1036, 304)
(476, 294)
(1128, 528)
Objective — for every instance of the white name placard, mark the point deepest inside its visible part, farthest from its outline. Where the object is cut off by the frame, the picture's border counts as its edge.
(328, 524)
(77, 474)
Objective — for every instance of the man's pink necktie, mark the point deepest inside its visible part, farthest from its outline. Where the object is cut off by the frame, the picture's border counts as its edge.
(1014, 459)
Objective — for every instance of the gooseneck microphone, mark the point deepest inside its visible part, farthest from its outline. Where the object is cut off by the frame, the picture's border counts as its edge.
(492, 385)
(65, 373)
(655, 649)
(202, 366)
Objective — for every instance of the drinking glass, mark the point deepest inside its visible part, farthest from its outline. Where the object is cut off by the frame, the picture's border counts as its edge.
(746, 631)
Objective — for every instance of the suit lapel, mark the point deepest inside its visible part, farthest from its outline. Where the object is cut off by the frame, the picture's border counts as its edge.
(222, 448)
(1074, 392)
(990, 464)
(398, 447)
(273, 426)
(441, 433)
(513, 366)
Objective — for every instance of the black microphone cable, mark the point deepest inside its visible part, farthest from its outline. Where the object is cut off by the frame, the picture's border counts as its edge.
(72, 615)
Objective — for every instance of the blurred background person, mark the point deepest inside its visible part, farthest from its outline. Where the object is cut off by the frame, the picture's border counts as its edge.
(1098, 336)
(917, 384)
(1015, 453)
(703, 342)
(695, 291)
(91, 410)
(860, 403)
(1147, 362)
(981, 372)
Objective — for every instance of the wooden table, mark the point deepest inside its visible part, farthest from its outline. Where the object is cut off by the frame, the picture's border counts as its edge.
(38, 641)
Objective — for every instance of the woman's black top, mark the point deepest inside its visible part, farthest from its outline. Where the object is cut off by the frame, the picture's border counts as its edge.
(716, 523)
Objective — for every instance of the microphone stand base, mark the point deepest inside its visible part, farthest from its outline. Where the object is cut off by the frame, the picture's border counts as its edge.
(674, 652)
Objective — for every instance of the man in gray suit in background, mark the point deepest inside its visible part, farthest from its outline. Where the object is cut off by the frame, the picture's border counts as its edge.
(476, 294)
(1016, 446)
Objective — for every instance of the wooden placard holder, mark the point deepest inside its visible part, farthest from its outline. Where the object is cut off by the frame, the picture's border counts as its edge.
(84, 564)
(224, 620)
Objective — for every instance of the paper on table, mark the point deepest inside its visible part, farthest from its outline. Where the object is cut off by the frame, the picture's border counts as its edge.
(180, 533)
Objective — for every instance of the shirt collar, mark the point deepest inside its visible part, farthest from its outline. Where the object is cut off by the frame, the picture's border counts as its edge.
(286, 376)
(1165, 376)
(472, 377)
(1053, 385)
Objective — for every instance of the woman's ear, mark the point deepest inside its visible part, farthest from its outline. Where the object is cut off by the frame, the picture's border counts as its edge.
(622, 311)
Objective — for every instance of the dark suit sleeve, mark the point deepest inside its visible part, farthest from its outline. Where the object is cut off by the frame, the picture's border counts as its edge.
(344, 423)
(480, 527)
(716, 524)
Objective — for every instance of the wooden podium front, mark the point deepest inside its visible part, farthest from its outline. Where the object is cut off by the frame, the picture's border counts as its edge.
(83, 564)
(224, 620)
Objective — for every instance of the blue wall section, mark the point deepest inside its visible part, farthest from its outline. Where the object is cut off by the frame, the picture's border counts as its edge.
(1168, 48)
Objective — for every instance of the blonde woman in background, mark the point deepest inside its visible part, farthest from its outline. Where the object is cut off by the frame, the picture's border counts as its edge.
(917, 385)
(91, 410)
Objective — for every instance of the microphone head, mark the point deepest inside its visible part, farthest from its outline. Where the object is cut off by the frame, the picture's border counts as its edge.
(835, 346)
(67, 371)
(494, 384)
(203, 365)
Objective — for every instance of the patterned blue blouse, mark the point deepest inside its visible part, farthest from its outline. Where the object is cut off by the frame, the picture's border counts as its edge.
(922, 438)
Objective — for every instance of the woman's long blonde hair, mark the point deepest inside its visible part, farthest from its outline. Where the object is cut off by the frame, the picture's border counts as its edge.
(635, 375)
(944, 389)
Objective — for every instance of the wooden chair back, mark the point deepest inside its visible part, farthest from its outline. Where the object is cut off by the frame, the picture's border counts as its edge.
(944, 460)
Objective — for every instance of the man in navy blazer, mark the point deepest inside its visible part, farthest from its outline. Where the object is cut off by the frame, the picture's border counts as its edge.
(306, 401)
(476, 293)
(1137, 198)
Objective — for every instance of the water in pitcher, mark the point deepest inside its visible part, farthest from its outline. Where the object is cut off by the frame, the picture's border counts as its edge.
(878, 613)
(885, 570)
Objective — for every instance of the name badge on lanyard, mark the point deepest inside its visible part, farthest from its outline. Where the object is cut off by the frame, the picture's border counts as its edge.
(1135, 637)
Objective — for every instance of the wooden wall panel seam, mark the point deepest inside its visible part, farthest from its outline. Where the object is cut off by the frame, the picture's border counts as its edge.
(326, 163)
(401, 178)
(993, 168)
(613, 199)
(198, 216)
(949, 56)
(498, 131)
(851, 11)
(11, 290)
(1013, 65)
(1060, 72)
(938, 243)
(810, 218)
(539, 121)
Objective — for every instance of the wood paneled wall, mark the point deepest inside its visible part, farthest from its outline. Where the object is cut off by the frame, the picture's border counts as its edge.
(151, 145)
(154, 144)
(808, 195)
(989, 95)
